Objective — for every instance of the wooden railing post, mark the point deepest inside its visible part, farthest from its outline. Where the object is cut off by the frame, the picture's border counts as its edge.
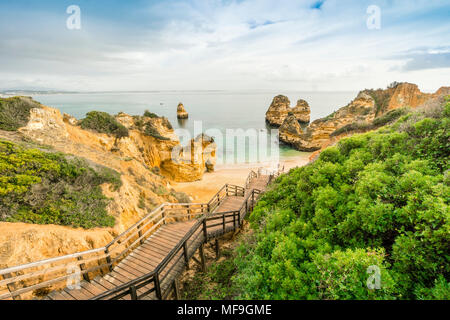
(176, 290)
(205, 232)
(217, 249)
(202, 257)
(189, 211)
(133, 293)
(108, 259)
(223, 223)
(185, 253)
(253, 198)
(158, 287)
(163, 215)
(82, 268)
(140, 233)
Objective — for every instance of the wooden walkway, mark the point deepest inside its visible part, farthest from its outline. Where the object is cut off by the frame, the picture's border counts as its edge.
(152, 265)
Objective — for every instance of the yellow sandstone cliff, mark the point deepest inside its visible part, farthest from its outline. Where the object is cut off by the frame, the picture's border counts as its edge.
(358, 115)
(144, 162)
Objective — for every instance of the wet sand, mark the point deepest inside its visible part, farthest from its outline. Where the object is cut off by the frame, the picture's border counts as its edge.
(203, 190)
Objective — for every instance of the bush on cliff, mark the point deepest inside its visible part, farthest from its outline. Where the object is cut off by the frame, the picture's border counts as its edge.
(151, 131)
(104, 123)
(149, 114)
(376, 199)
(51, 188)
(15, 112)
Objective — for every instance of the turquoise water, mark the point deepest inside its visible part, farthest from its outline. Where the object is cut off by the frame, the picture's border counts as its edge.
(219, 110)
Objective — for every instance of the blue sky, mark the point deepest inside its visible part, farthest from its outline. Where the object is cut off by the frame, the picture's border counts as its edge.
(213, 45)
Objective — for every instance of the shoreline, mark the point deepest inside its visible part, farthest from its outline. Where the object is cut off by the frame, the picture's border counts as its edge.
(202, 190)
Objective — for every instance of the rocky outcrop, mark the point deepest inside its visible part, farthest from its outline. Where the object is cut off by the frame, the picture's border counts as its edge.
(358, 115)
(290, 130)
(302, 111)
(181, 112)
(187, 162)
(144, 160)
(280, 108)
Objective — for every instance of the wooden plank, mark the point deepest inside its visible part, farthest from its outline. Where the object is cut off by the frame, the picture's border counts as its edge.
(79, 294)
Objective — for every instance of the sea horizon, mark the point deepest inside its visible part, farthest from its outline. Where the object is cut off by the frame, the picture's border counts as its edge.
(208, 109)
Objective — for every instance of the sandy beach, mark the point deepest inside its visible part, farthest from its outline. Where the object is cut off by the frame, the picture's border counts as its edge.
(203, 190)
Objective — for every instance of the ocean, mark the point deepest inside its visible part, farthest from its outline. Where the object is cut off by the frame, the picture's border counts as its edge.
(210, 111)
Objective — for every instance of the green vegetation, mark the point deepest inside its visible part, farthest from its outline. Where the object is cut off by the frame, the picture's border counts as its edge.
(375, 199)
(215, 284)
(180, 196)
(378, 122)
(52, 188)
(389, 117)
(15, 112)
(352, 127)
(151, 131)
(150, 114)
(104, 123)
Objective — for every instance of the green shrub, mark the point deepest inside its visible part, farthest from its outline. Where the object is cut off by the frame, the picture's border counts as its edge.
(104, 123)
(150, 114)
(379, 198)
(180, 196)
(151, 131)
(51, 188)
(389, 117)
(15, 112)
(355, 126)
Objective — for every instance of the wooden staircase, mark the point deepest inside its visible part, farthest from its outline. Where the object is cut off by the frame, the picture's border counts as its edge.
(145, 261)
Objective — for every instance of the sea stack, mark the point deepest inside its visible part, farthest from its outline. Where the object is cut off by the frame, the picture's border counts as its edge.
(301, 111)
(280, 108)
(181, 112)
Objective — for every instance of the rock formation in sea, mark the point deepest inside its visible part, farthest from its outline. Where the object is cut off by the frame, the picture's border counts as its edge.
(302, 111)
(359, 115)
(144, 160)
(281, 107)
(181, 112)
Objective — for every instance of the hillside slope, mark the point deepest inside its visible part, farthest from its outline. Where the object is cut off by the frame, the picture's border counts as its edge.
(375, 201)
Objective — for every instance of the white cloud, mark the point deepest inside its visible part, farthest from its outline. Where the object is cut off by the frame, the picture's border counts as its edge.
(254, 44)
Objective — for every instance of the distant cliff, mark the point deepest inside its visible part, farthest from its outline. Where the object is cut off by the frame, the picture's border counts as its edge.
(370, 109)
(139, 149)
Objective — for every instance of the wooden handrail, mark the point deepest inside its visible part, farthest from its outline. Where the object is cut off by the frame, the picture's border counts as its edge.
(127, 288)
(128, 239)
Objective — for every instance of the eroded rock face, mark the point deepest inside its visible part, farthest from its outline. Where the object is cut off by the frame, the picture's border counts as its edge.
(280, 108)
(368, 105)
(302, 111)
(181, 112)
(290, 130)
(189, 161)
(141, 159)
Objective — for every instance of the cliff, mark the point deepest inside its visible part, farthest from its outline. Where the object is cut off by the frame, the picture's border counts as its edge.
(280, 108)
(143, 158)
(360, 115)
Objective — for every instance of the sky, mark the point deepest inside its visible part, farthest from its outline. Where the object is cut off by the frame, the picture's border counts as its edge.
(304, 45)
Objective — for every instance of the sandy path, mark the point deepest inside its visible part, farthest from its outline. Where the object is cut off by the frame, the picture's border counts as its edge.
(203, 190)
